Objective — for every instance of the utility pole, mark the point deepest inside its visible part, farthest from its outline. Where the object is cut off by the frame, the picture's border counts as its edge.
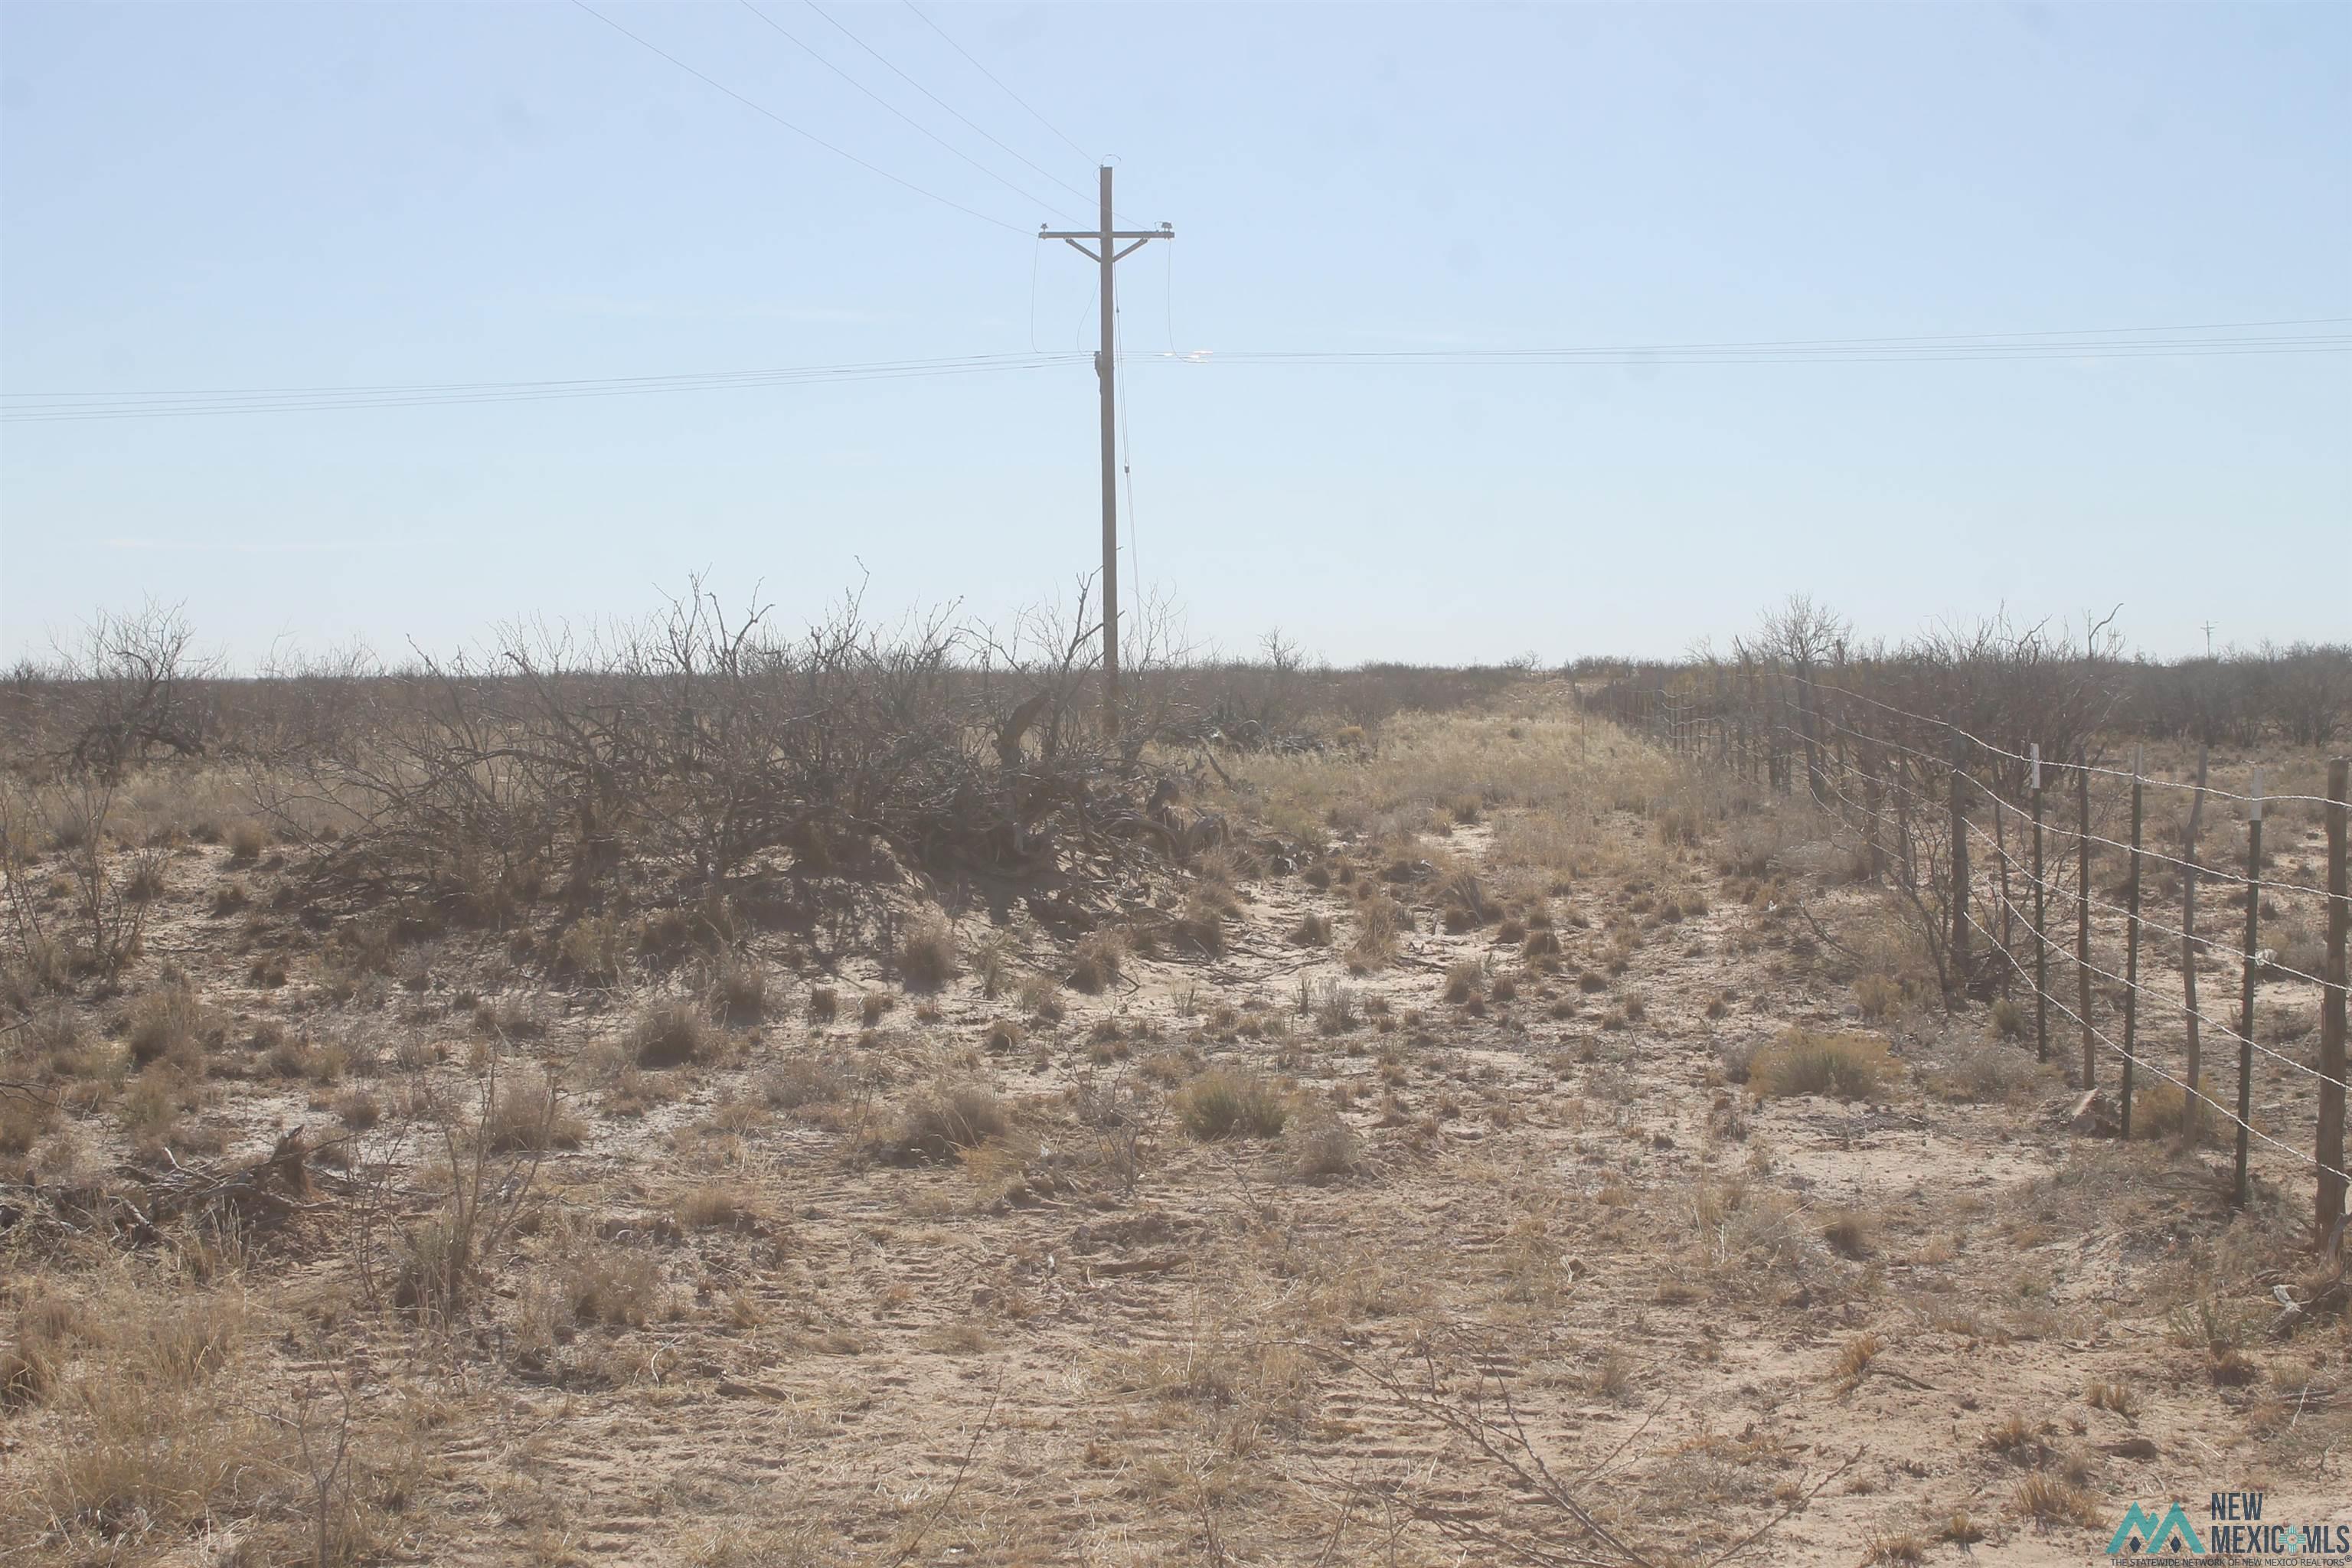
(2209, 639)
(1104, 256)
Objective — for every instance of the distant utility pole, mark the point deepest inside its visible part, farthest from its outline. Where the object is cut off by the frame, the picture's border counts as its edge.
(2209, 639)
(1104, 255)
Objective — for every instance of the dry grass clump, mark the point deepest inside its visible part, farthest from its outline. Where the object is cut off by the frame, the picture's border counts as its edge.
(246, 840)
(1465, 978)
(824, 1004)
(1379, 921)
(740, 992)
(167, 1021)
(1003, 1034)
(1313, 929)
(530, 1118)
(1323, 1145)
(2049, 1499)
(715, 1205)
(927, 955)
(2115, 1396)
(1984, 1073)
(2160, 1109)
(948, 1117)
(1096, 963)
(804, 1081)
(610, 1284)
(1853, 1359)
(25, 1120)
(1845, 1066)
(1226, 1102)
(156, 1438)
(42, 1333)
(1851, 1233)
(668, 1034)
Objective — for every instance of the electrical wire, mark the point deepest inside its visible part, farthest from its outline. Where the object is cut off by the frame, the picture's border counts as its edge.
(445, 393)
(793, 38)
(762, 110)
(943, 104)
(991, 76)
(35, 405)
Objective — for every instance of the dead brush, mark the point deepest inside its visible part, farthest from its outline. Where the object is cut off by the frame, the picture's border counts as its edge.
(2019, 1440)
(1801, 1061)
(1465, 980)
(668, 1034)
(1096, 964)
(2048, 1500)
(801, 1082)
(167, 1021)
(715, 1205)
(1313, 929)
(739, 989)
(1380, 922)
(993, 963)
(948, 1117)
(1322, 1145)
(928, 959)
(1854, 1359)
(528, 1116)
(2112, 1396)
(1224, 1102)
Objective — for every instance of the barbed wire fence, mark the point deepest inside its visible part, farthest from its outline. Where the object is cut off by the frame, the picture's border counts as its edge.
(1971, 834)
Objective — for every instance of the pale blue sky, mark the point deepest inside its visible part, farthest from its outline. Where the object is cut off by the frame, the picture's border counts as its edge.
(202, 195)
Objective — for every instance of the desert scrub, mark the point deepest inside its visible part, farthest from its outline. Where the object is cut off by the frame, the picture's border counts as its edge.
(1845, 1066)
(1225, 1102)
(927, 958)
(668, 1034)
(948, 1117)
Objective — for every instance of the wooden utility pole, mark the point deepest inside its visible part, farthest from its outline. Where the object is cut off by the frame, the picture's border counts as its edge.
(1107, 255)
(2332, 1000)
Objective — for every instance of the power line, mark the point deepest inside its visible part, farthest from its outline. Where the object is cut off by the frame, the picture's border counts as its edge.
(68, 407)
(943, 104)
(991, 76)
(894, 108)
(762, 110)
(52, 405)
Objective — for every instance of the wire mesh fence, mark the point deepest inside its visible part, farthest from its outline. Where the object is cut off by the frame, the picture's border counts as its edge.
(1994, 842)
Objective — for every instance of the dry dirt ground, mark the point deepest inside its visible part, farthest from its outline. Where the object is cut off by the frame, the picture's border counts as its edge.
(1323, 1248)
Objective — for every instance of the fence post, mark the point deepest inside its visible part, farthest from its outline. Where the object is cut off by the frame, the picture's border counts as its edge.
(2040, 926)
(2007, 903)
(2131, 952)
(2083, 915)
(1806, 703)
(2246, 986)
(1871, 801)
(2193, 1113)
(1959, 940)
(2331, 1009)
